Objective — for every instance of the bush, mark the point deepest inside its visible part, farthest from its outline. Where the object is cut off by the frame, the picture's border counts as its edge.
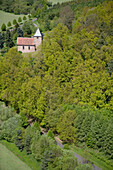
(14, 22)
(28, 27)
(19, 19)
(31, 134)
(19, 142)
(84, 167)
(24, 18)
(66, 146)
(3, 27)
(29, 16)
(41, 145)
(23, 116)
(66, 161)
(9, 24)
(6, 112)
(8, 128)
(50, 134)
(27, 144)
(37, 126)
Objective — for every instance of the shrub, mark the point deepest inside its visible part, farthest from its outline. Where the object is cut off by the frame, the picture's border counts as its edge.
(6, 112)
(19, 142)
(50, 134)
(19, 19)
(31, 134)
(66, 146)
(14, 22)
(3, 27)
(8, 128)
(36, 125)
(24, 18)
(40, 146)
(84, 167)
(9, 24)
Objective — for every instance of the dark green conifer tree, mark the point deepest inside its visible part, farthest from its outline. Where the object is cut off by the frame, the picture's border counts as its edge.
(1, 41)
(19, 139)
(19, 19)
(19, 32)
(108, 140)
(3, 27)
(110, 67)
(85, 127)
(9, 24)
(8, 39)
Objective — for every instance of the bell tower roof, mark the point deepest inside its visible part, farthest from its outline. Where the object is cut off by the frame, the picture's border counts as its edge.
(38, 34)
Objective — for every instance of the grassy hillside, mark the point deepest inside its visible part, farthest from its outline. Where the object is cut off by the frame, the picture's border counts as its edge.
(9, 161)
(56, 1)
(28, 160)
(5, 17)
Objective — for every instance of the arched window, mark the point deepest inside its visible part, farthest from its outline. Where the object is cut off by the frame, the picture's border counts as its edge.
(28, 47)
(23, 47)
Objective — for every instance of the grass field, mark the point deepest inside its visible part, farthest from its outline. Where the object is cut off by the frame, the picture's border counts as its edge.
(28, 160)
(5, 17)
(56, 1)
(8, 161)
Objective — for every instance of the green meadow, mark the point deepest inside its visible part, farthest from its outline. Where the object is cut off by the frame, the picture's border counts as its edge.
(5, 17)
(56, 1)
(9, 161)
(28, 160)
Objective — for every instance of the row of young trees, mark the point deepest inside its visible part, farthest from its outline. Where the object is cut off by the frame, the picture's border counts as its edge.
(3, 27)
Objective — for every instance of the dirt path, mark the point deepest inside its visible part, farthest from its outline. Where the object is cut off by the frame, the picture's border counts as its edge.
(79, 158)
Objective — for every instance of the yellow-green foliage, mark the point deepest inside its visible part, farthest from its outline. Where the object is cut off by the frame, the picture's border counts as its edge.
(70, 68)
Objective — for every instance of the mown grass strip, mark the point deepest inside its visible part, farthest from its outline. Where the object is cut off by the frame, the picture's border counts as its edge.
(9, 161)
(58, 1)
(5, 17)
(28, 159)
(95, 157)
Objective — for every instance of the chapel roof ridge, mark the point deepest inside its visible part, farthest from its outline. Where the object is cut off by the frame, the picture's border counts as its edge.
(25, 41)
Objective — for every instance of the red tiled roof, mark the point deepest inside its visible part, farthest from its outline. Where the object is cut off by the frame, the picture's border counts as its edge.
(25, 41)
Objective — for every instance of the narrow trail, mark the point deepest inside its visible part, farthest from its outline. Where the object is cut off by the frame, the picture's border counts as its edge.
(79, 158)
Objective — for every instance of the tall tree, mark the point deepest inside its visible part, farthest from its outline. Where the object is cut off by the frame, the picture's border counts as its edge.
(110, 67)
(9, 24)
(1, 41)
(19, 19)
(19, 32)
(8, 39)
(3, 27)
(14, 22)
(65, 126)
(67, 16)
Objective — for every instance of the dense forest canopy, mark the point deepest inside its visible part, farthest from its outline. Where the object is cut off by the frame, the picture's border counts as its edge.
(23, 6)
(68, 83)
